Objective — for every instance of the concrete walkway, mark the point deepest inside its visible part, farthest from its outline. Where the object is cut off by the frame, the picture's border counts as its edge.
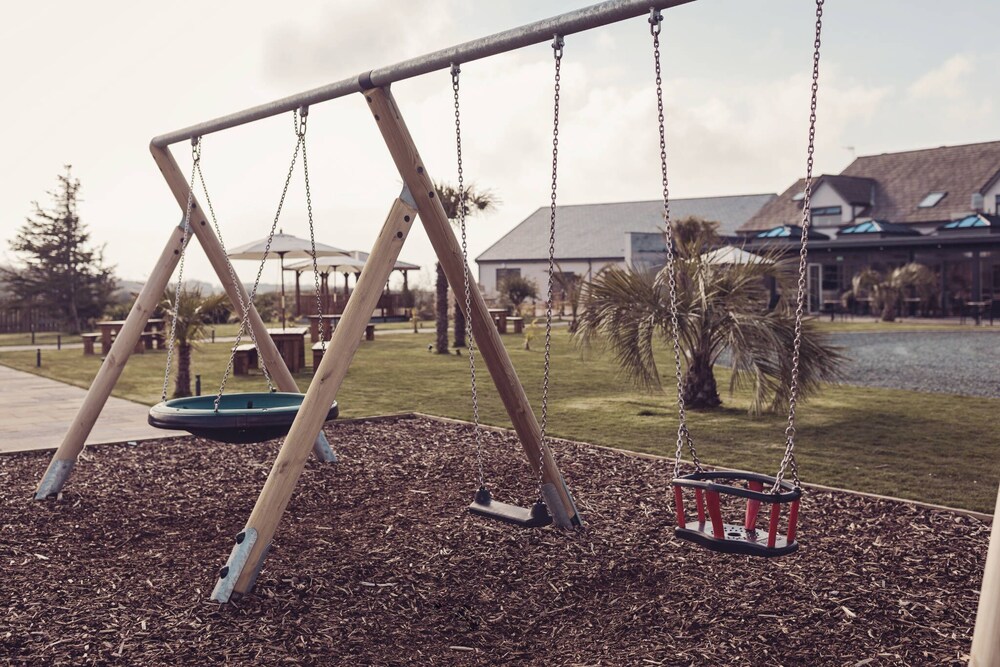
(37, 412)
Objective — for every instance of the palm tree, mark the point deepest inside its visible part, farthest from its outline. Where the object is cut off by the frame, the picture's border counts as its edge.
(722, 311)
(193, 313)
(887, 289)
(476, 201)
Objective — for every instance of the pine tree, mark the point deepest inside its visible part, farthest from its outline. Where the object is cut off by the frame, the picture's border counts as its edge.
(60, 271)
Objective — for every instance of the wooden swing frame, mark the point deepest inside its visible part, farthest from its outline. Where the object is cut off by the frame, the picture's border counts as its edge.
(418, 198)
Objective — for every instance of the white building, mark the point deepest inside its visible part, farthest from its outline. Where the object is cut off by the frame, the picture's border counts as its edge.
(592, 236)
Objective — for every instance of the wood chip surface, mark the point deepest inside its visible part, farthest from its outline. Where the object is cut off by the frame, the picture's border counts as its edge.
(377, 562)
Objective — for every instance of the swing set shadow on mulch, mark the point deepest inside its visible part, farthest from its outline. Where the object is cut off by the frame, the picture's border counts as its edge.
(377, 562)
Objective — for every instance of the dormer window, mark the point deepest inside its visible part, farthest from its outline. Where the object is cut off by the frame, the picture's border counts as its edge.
(931, 200)
(800, 196)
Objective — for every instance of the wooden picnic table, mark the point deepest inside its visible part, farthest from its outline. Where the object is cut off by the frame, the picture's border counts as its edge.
(110, 328)
(329, 324)
(291, 344)
(499, 316)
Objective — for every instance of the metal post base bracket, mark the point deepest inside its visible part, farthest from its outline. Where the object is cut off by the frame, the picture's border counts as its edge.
(322, 450)
(55, 479)
(230, 572)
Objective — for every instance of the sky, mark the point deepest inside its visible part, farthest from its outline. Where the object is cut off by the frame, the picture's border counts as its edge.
(89, 84)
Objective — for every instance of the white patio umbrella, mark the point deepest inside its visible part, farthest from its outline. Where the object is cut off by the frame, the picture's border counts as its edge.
(729, 254)
(282, 246)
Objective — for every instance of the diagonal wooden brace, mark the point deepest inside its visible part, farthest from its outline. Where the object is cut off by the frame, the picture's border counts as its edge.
(64, 459)
(322, 392)
(201, 228)
(415, 175)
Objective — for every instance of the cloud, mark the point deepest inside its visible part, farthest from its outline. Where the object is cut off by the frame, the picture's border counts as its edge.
(342, 39)
(949, 80)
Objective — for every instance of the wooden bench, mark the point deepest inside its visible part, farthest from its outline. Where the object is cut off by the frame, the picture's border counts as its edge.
(88, 343)
(151, 339)
(244, 359)
(517, 323)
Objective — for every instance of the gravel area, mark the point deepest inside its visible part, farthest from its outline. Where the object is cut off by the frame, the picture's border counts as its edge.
(377, 562)
(953, 362)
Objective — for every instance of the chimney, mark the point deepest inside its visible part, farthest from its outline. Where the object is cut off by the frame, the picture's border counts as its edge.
(977, 202)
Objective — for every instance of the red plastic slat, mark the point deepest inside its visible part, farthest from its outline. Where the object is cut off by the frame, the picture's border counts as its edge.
(793, 520)
(679, 506)
(753, 506)
(772, 529)
(715, 512)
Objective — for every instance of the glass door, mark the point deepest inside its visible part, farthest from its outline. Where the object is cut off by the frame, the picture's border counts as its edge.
(814, 288)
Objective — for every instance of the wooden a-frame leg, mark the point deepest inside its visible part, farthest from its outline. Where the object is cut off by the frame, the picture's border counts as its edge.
(64, 459)
(986, 636)
(254, 541)
(234, 288)
(415, 175)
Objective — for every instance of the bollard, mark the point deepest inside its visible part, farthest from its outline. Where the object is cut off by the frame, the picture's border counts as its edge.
(38, 357)
(58, 341)
(197, 385)
(213, 335)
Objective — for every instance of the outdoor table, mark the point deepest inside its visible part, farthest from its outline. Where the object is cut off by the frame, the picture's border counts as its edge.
(499, 316)
(830, 306)
(329, 324)
(108, 329)
(291, 344)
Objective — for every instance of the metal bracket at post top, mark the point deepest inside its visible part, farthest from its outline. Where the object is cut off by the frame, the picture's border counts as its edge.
(231, 571)
(55, 479)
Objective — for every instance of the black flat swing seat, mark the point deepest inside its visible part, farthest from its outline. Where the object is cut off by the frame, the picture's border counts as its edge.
(537, 516)
(744, 538)
(242, 418)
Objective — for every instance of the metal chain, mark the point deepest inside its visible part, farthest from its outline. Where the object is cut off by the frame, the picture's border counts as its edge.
(232, 271)
(455, 71)
(195, 159)
(260, 270)
(788, 460)
(301, 131)
(683, 435)
(557, 50)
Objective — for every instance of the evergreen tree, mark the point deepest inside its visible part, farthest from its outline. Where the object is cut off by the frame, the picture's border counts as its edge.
(60, 271)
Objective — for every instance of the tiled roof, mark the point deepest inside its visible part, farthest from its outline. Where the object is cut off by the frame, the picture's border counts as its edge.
(902, 180)
(597, 231)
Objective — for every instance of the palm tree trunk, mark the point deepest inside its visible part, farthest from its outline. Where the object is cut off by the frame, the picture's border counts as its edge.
(459, 325)
(889, 311)
(182, 385)
(699, 388)
(442, 311)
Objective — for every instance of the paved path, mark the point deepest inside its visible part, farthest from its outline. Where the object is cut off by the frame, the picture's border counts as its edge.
(37, 413)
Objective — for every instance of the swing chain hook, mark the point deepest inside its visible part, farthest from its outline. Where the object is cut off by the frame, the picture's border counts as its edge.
(557, 46)
(655, 21)
(301, 119)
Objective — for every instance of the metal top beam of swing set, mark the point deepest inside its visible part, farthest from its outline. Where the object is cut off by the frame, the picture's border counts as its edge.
(580, 20)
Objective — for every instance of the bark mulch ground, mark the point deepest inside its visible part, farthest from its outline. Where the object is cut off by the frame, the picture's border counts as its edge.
(377, 563)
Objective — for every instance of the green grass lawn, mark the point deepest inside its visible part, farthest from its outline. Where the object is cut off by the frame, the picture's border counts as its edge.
(930, 447)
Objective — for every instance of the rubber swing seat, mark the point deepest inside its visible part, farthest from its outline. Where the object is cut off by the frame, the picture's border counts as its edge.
(537, 516)
(241, 418)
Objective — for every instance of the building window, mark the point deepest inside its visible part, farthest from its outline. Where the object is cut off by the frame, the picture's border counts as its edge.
(931, 200)
(826, 210)
(832, 276)
(504, 274)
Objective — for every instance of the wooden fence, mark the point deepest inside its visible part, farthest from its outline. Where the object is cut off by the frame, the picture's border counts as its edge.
(21, 320)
